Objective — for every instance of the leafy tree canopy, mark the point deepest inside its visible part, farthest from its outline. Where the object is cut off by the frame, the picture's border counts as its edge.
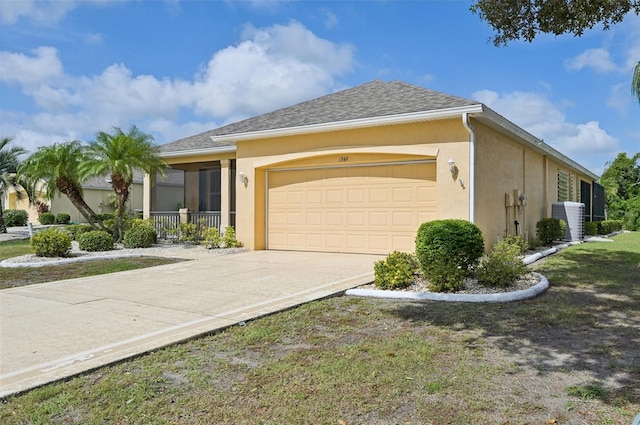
(525, 19)
(621, 180)
(119, 154)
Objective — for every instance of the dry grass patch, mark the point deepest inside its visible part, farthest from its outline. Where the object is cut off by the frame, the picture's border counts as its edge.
(570, 356)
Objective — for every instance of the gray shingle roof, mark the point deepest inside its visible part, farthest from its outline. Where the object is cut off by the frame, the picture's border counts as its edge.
(101, 182)
(370, 100)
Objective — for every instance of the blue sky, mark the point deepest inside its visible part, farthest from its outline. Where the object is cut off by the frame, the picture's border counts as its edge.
(69, 69)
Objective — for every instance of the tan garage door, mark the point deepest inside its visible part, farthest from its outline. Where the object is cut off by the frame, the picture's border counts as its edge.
(362, 209)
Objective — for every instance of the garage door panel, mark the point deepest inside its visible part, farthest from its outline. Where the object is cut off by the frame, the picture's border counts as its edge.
(378, 218)
(372, 209)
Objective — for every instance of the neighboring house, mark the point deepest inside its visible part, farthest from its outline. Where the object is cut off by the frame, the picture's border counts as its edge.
(98, 194)
(359, 170)
(16, 198)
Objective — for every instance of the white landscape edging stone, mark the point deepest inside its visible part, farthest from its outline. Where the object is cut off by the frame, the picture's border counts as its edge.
(523, 294)
(7, 263)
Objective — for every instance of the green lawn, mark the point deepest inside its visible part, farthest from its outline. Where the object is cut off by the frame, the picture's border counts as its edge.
(12, 277)
(570, 356)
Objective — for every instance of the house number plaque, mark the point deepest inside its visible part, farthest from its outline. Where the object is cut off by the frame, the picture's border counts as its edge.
(343, 159)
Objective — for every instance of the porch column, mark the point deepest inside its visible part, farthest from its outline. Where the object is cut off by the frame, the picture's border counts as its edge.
(147, 188)
(225, 198)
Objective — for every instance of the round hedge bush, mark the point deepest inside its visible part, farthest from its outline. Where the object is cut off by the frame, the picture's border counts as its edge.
(550, 229)
(96, 240)
(397, 271)
(63, 218)
(140, 236)
(15, 217)
(47, 218)
(447, 250)
(75, 230)
(51, 243)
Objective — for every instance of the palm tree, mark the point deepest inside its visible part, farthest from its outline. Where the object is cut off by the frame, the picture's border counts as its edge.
(118, 155)
(58, 166)
(8, 166)
(635, 82)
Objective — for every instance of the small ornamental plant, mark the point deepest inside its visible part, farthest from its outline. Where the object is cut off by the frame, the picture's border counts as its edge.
(15, 218)
(75, 230)
(229, 238)
(397, 271)
(47, 218)
(97, 240)
(550, 229)
(63, 218)
(140, 235)
(51, 242)
(211, 238)
(502, 266)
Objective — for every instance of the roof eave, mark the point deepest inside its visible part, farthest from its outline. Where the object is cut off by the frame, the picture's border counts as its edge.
(529, 139)
(351, 124)
(204, 151)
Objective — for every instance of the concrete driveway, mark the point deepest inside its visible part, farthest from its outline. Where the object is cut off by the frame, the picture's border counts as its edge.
(58, 329)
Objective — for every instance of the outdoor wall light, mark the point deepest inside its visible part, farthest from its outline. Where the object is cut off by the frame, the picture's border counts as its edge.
(452, 166)
(523, 199)
(243, 178)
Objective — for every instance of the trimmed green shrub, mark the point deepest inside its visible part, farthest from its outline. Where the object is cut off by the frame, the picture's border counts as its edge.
(75, 230)
(211, 238)
(96, 240)
(47, 218)
(457, 240)
(15, 218)
(188, 232)
(591, 228)
(51, 242)
(445, 276)
(109, 224)
(447, 250)
(106, 216)
(229, 238)
(517, 241)
(140, 236)
(397, 271)
(535, 243)
(502, 266)
(550, 229)
(63, 218)
(610, 226)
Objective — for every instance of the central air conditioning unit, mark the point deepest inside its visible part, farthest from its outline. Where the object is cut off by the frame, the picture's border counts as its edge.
(571, 213)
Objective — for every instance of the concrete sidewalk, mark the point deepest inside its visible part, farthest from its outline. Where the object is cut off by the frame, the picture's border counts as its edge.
(58, 329)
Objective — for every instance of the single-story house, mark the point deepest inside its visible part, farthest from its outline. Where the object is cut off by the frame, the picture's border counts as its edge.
(359, 170)
(98, 194)
(96, 191)
(15, 198)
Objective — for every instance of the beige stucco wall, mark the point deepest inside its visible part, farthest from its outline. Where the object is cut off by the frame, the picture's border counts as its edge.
(504, 166)
(13, 201)
(440, 140)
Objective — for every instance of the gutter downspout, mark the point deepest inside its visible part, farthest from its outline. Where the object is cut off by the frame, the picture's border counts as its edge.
(472, 166)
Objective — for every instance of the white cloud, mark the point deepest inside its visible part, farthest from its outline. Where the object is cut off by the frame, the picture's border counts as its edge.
(583, 142)
(269, 68)
(330, 19)
(30, 71)
(598, 59)
(42, 12)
